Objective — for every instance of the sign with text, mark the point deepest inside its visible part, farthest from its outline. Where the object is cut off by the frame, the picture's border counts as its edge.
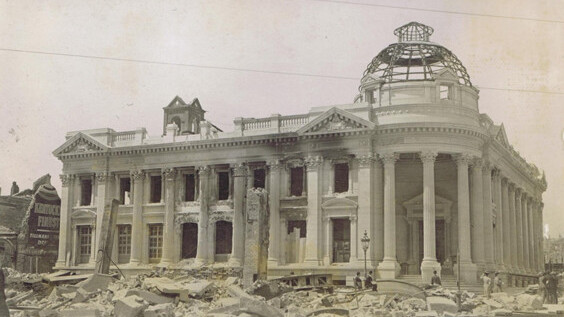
(43, 222)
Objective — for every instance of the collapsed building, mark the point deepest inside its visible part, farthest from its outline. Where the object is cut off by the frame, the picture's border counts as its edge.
(411, 161)
(29, 227)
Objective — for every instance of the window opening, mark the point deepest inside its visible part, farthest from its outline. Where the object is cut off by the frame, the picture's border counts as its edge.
(189, 240)
(445, 92)
(223, 185)
(124, 243)
(341, 240)
(223, 237)
(125, 190)
(85, 243)
(156, 188)
(259, 176)
(299, 224)
(86, 192)
(296, 181)
(155, 242)
(190, 187)
(341, 177)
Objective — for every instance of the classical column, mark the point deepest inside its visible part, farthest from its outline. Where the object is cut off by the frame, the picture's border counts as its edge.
(468, 269)
(389, 267)
(137, 217)
(524, 232)
(499, 223)
(536, 234)
(506, 223)
(365, 202)
(328, 241)
(169, 175)
(519, 229)
(513, 224)
(274, 253)
(530, 237)
(65, 220)
(354, 239)
(413, 260)
(429, 263)
(102, 178)
(488, 223)
(313, 247)
(239, 189)
(202, 256)
(541, 244)
(378, 220)
(93, 245)
(330, 176)
(477, 215)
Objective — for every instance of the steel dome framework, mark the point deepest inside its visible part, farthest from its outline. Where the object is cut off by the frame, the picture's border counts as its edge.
(415, 58)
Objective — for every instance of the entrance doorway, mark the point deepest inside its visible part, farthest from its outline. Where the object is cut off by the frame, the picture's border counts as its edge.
(440, 237)
(189, 240)
(341, 240)
(223, 238)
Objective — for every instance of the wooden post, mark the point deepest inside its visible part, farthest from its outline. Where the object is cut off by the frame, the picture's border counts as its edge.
(104, 252)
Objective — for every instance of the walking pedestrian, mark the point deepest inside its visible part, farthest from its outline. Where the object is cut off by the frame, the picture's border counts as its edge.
(487, 284)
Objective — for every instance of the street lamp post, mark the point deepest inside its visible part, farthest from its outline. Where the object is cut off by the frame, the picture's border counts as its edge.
(365, 241)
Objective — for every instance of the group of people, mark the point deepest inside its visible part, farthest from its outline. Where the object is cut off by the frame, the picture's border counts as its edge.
(491, 286)
(368, 282)
(548, 287)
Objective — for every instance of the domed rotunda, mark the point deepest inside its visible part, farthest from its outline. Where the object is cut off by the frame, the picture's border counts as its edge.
(408, 179)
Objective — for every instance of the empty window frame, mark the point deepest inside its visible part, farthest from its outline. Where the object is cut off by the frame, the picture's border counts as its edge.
(85, 192)
(296, 181)
(156, 189)
(341, 177)
(125, 190)
(189, 187)
(259, 178)
(155, 242)
(445, 92)
(124, 243)
(223, 185)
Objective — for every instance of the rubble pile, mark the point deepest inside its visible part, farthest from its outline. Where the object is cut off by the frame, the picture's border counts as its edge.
(220, 294)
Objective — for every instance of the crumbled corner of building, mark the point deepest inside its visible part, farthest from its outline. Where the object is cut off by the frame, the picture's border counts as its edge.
(219, 292)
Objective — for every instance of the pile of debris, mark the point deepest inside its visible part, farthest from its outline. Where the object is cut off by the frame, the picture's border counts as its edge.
(206, 293)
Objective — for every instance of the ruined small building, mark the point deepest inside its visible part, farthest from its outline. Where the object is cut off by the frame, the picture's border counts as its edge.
(411, 161)
(29, 227)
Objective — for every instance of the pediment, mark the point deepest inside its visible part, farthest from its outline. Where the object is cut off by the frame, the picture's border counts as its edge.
(335, 120)
(83, 213)
(80, 143)
(176, 102)
(446, 74)
(501, 137)
(339, 203)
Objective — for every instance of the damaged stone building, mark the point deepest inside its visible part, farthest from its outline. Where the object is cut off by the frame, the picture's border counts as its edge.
(411, 162)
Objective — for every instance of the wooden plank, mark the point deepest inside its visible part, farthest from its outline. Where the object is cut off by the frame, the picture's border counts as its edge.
(106, 242)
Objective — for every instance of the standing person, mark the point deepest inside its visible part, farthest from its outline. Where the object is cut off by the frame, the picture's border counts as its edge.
(497, 282)
(368, 281)
(357, 281)
(552, 288)
(436, 280)
(542, 287)
(487, 284)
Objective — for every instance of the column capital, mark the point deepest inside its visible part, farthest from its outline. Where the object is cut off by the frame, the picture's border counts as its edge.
(66, 179)
(169, 173)
(389, 158)
(101, 177)
(137, 175)
(462, 158)
(312, 162)
(239, 170)
(274, 165)
(365, 160)
(487, 167)
(518, 192)
(428, 157)
(477, 162)
(496, 172)
(511, 185)
(203, 170)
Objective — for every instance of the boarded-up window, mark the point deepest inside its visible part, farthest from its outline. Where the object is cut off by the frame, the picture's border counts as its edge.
(296, 181)
(341, 178)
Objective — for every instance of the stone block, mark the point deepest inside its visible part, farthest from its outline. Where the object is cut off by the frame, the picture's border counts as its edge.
(529, 302)
(441, 304)
(160, 310)
(150, 297)
(231, 280)
(502, 312)
(492, 303)
(258, 308)
(237, 292)
(132, 306)
(431, 313)
(198, 289)
(96, 282)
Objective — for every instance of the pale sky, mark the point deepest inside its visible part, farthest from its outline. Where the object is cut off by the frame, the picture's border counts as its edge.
(516, 47)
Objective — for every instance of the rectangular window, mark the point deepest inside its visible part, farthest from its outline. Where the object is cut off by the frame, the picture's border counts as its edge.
(341, 177)
(85, 243)
(223, 185)
(299, 224)
(124, 239)
(189, 187)
(445, 92)
(155, 242)
(86, 192)
(125, 190)
(296, 181)
(156, 187)
(259, 176)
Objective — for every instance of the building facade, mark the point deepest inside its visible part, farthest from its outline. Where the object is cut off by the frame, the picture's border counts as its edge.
(411, 162)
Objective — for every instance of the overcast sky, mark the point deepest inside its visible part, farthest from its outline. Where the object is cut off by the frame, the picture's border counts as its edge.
(513, 51)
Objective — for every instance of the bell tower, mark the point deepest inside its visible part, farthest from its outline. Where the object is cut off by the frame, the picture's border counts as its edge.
(187, 117)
